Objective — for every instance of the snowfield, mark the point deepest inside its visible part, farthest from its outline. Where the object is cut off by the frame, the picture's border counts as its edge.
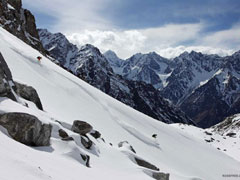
(66, 98)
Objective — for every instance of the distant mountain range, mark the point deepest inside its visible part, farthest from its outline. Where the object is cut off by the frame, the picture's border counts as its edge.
(205, 87)
(89, 64)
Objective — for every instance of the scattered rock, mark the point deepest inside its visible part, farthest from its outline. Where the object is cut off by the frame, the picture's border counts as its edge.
(160, 176)
(145, 164)
(68, 139)
(26, 128)
(95, 134)
(208, 133)
(127, 145)
(86, 158)
(86, 142)
(64, 135)
(28, 93)
(231, 134)
(81, 127)
(154, 135)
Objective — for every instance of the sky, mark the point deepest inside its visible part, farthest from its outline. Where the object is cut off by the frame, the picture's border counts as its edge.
(168, 27)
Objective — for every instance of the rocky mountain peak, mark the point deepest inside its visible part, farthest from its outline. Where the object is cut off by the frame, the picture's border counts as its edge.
(20, 22)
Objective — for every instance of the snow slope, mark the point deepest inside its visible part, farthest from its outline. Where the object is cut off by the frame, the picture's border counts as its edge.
(66, 98)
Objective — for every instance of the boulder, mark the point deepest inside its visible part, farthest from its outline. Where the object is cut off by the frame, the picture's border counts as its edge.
(160, 176)
(145, 164)
(64, 135)
(5, 79)
(86, 142)
(95, 134)
(26, 128)
(86, 158)
(28, 93)
(81, 127)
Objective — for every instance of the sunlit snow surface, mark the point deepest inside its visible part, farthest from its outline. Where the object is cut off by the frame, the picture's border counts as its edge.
(66, 98)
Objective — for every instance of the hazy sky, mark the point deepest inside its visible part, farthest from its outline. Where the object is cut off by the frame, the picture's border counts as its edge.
(168, 27)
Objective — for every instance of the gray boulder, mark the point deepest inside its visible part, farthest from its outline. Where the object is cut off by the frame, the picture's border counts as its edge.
(95, 134)
(86, 158)
(63, 134)
(81, 127)
(5, 78)
(26, 128)
(145, 164)
(28, 93)
(86, 142)
(160, 176)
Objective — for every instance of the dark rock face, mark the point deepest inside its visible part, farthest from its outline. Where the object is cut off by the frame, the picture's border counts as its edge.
(81, 127)
(26, 129)
(86, 158)
(146, 164)
(28, 93)
(20, 22)
(6, 81)
(160, 176)
(91, 66)
(95, 134)
(64, 135)
(86, 142)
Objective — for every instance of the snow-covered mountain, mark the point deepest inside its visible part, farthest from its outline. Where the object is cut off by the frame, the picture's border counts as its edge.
(205, 87)
(66, 98)
(114, 61)
(90, 65)
(149, 68)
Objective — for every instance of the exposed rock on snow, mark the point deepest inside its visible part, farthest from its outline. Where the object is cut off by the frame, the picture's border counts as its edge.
(96, 134)
(81, 127)
(26, 129)
(125, 144)
(6, 81)
(20, 22)
(160, 176)
(86, 142)
(28, 93)
(145, 164)
(65, 137)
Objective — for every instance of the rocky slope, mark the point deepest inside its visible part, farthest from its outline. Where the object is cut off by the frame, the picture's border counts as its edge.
(90, 65)
(20, 22)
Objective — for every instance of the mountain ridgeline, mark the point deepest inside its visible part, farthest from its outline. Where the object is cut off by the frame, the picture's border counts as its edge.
(205, 87)
(89, 64)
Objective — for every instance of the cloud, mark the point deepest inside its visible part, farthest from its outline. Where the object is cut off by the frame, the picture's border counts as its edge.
(90, 21)
(167, 40)
(126, 43)
(225, 38)
(72, 15)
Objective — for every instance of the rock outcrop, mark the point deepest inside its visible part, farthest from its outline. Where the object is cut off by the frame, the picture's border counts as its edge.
(20, 22)
(26, 128)
(81, 127)
(28, 93)
(6, 82)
